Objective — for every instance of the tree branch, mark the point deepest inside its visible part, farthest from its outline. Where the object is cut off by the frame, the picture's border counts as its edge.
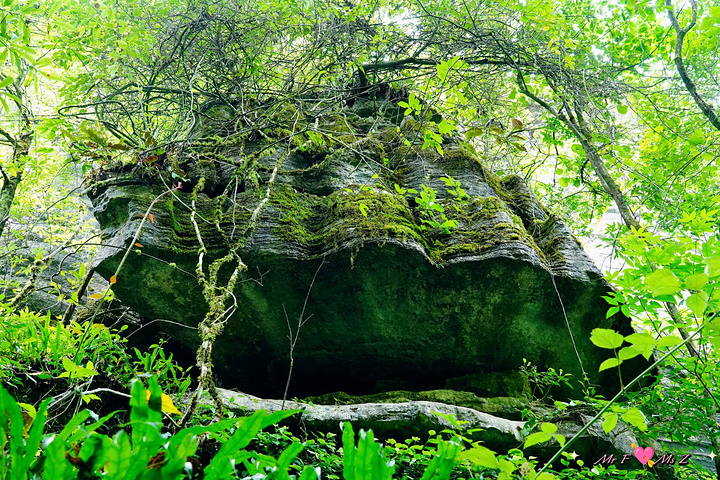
(10, 138)
(705, 107)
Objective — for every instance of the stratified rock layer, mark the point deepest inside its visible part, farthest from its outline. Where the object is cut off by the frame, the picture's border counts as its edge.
(323, 222)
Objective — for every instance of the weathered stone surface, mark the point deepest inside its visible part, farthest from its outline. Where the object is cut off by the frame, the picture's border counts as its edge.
(415, 418)
(388, 420)
(396, 304)
(504, 407)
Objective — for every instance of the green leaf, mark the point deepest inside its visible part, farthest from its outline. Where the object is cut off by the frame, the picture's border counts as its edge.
(641, 338)
(548, 428)
(635, 418)
(481, 456)
(6, 81)
(606, 338)
(696, 281)
(546, 476)
(697, 137)
(629, 352)
(669, 341)
(537, 437)
(445, 127)
(54, 8)
(609, 422)
(697, 302)
(712, 266)
(220, 467)
(662, 282)
(609, 363)
(289, 455)
(310, 473)
(622, 109)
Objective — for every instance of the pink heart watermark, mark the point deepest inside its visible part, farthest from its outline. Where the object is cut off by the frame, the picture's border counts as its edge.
(644, 454)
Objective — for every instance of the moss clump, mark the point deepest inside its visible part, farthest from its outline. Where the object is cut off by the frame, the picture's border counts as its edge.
(181, 235)
(460, 157)
(483, 223)
(319, 223)
(550, 242)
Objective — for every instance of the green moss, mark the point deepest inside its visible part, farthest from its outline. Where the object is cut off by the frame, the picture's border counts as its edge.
(322, 222)
(459, 157)
(550, 243)
(479, 229)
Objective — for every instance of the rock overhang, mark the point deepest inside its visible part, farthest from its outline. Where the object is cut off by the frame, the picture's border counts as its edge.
(395, 300)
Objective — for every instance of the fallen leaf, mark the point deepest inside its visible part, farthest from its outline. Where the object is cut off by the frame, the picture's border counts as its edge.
(156, 461)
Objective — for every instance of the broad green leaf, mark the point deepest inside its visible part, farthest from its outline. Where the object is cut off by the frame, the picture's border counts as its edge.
(640, 338)
(697, 137)
(56, 464)
(609, 422)
(481, 456)
(606, 338)
(622, 109)
(537, 437)
(445, 127)
(609, 363)
(696, 281)
(662, 282)
(635, 418)
(697, 302)
(712, 266)
(548, 427)
(546, 476)
(669, 341)
(629, 352)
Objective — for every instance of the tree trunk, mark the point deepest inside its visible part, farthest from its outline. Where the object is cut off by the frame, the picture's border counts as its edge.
(12, 181)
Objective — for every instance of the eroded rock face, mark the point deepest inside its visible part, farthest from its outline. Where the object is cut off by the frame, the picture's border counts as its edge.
(323, 222)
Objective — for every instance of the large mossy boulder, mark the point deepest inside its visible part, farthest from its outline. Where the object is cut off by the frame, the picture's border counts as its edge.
(317, 206)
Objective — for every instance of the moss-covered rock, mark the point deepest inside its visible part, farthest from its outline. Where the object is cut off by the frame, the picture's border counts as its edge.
(322, 210)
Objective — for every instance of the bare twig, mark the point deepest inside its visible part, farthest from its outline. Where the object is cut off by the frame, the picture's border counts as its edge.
(293, 336)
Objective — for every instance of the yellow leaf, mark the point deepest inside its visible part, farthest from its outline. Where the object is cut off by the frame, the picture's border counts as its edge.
(113, 280)
(167, 405)
(96, 296)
